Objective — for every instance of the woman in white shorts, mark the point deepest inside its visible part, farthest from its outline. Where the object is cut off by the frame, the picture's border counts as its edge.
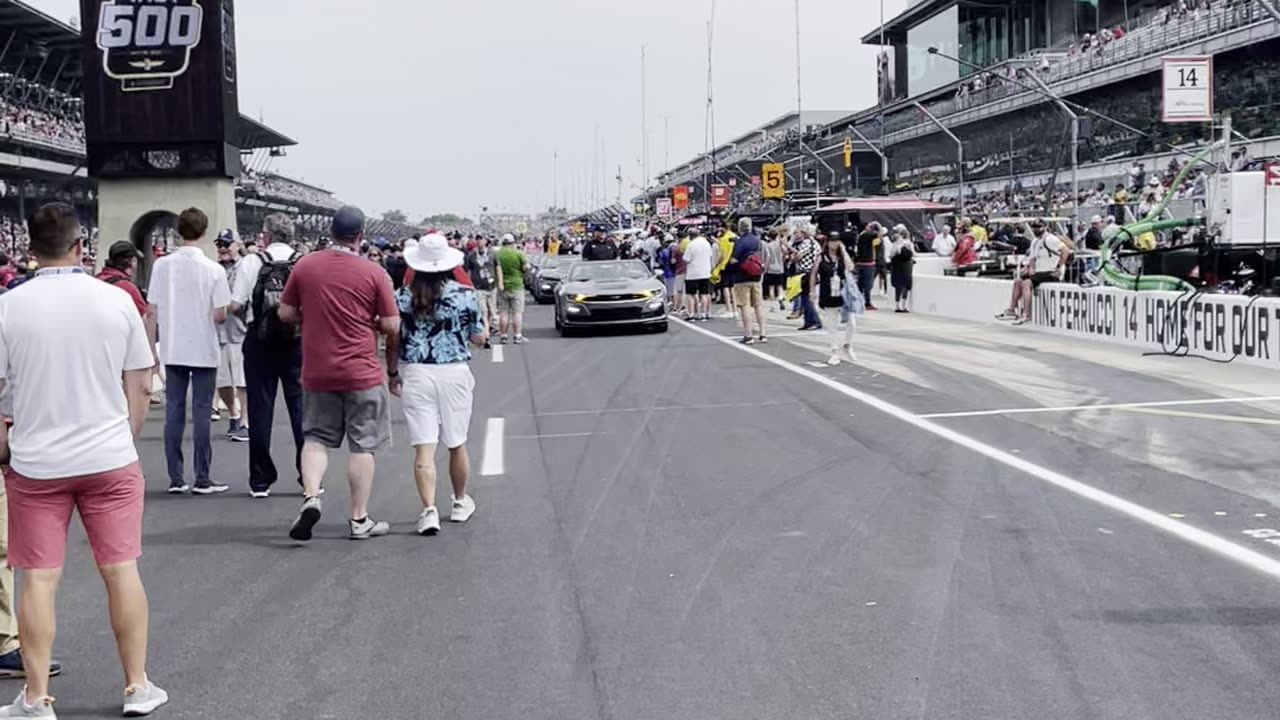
(429, 371)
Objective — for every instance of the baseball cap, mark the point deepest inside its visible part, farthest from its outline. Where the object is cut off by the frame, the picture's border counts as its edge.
(122, 249)
(348, 222)
(226, 237)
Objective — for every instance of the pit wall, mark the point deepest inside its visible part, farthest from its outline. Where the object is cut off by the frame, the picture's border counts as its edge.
(1219, 327)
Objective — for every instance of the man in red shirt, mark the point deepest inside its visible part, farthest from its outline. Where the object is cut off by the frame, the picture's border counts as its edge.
(341, 299)
(120, 269)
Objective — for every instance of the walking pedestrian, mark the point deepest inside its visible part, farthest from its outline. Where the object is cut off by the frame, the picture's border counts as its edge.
(865, 260)
(835, 298)
(482, 266)
(231, 333)
(775, 271)
(340, 298)
(272, 351)
(807, 251)
(512, 265)
(429, 370)
(67, 341)
(697, 258)
(744, 272)
(901, 266)
(189, 295)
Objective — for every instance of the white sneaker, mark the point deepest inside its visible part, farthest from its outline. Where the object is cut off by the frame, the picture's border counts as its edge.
(43, 708)
(849, 355)
(463, 509)
(834, 360)
(429, 521)
(142, 700)
(259, 494)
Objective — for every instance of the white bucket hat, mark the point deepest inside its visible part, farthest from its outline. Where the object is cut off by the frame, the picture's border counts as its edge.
(431, 254)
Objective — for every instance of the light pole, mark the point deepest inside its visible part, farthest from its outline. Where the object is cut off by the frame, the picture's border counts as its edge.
(1075, 148)
(959, 149)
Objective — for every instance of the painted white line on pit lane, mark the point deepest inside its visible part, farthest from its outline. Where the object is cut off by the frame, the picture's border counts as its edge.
(1205, 540)
(553, 436)
(1243, 419)
(661, 408)
(498, 354)
(493, 462)
(1108, 406)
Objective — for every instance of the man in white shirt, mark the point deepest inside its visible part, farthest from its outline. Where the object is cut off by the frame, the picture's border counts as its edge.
(67, 340)
(189, 295)
(1045, 260)
(272, 356)
(697, 285)
(945, 243)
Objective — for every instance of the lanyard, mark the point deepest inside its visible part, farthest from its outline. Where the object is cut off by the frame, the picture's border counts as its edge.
(59, 271)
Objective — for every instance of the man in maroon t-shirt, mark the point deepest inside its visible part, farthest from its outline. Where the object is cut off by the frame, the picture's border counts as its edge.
(341, 300)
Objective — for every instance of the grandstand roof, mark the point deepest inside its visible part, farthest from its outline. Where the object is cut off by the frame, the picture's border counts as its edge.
(895, 30)
(31, 29)
(255, 135)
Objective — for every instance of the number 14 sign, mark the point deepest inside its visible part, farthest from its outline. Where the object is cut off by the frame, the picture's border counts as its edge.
(1188, 89)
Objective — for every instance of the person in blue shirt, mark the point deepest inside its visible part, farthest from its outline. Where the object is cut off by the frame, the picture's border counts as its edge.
(428, 369)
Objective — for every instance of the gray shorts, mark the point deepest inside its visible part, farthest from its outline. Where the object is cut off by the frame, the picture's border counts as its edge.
(362, 416)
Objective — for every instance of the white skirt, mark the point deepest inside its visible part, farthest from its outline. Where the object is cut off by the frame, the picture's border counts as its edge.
(437, 402)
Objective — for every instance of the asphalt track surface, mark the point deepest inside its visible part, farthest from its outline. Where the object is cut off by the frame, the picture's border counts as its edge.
(683, 529)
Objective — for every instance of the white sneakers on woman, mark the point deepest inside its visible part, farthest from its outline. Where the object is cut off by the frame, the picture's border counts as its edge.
(462, 510)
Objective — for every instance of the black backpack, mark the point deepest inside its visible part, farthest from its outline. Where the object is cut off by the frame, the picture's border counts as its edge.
(267, 325)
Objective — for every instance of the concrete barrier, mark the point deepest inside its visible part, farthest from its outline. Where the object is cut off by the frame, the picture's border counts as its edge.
(1220, 327)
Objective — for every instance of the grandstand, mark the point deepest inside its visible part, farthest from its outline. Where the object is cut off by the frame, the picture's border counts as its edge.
(1105, 56)
(42, 141)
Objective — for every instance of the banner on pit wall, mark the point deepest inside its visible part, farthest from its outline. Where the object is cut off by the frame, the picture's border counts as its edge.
(1220, 327)
(680, 197)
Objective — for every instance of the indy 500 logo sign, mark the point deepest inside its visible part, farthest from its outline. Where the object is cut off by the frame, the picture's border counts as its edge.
(146, 44)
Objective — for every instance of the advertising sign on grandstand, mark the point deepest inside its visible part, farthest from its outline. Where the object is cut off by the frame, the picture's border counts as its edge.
(720, 196)
(774, 178)
(680, 197)
(1188, 89)
(662, 206)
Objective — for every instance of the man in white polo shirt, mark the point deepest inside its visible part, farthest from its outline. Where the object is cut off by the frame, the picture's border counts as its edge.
(189, 295)
(67, 340)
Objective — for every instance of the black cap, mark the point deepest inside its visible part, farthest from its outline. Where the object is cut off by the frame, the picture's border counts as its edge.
(123, 250)
(347, 223)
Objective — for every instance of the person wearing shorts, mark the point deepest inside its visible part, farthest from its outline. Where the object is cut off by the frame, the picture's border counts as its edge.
(431, 373)
(344, 298)
(748, 296)
(512, 264)
(68, 324)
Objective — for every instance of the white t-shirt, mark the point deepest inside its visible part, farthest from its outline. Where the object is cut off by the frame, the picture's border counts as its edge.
(65, 341)
(944, 245)
(1045, 252)
(697, 254)
(185, 287)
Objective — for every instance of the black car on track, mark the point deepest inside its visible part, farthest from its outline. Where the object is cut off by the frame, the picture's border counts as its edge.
(549, 276)
(610, 293)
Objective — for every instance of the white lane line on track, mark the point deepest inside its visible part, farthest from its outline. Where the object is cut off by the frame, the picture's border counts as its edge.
(1194, 536)
(493, 462)
(1107, 406)
(555, 435)
(498, 354)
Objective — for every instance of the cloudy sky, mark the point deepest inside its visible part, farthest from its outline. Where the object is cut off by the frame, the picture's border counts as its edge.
(434, 106)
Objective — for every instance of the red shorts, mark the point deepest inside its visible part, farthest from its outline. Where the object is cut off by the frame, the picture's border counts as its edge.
(110, 505)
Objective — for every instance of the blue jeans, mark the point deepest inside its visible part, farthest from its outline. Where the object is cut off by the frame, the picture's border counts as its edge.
(811, 318)
(201, 381)
(867, 281)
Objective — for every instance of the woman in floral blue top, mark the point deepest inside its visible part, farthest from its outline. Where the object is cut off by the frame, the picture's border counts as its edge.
(439, 318)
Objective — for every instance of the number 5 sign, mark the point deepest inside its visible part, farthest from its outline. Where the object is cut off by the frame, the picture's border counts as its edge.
(1188, 89)
(773, 180)
(146, 45)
